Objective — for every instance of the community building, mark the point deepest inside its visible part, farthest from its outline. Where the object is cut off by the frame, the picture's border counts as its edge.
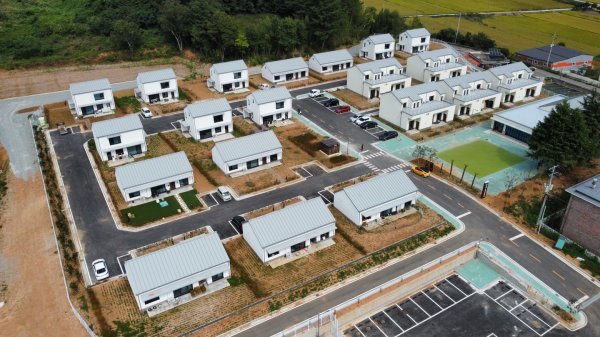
(331, 61)
(487, 59)
(257, 151)
(165, 278)
(378, 47)
(207, 119)
(266, 106)
(156, 86)
(581, 221)
(414, 40)
(435, 65)
(471, 93)
(515, 81)
(556, 57)
(377, 198)
(377, 77)
(417, 107)
(289, 230)
(155, 177)
(285, 70)
(119, 138)
(228, 76)
(91, 97)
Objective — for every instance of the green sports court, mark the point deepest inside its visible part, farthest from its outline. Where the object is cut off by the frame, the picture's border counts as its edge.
(482, 157)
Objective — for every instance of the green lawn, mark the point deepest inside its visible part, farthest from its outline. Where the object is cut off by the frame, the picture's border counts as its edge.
(483, 158)
(190, 199)
(412, 7)
(150, 211)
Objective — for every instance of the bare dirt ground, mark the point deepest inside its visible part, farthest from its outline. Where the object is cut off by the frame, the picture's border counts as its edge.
(36, 303)
(37, 81)
(354, 99)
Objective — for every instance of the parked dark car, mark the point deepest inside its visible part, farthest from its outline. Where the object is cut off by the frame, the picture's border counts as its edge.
(342, 109)
(388, 135)
(331, 102)
(237, 222)
(368, 125)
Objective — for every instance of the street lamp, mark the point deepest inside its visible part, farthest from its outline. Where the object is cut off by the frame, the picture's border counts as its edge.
(547, 188)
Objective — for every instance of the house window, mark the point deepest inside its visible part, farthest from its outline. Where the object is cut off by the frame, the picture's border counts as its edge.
(323, 68)
(279, 105)
(114, 140)
(184, 182)
(423, 40)
(431, 97)
(278, 116)
(272, 254)
(367, 77)
(416, 104)
(447, 60)
(456, 92)
(520, 75)
(217, 277)
(217, 118)
(387, 46)
(233, 167)
(273, 157)
(165, 95)
(465, 92)
(391, 71)
(134, 194)
(252, 164)
(479, 86)
(237, 75)
(404, 105)
(426, 64)
(99, 96)
(218, 129)
(164, 85)
(154, 299)
(276, 77)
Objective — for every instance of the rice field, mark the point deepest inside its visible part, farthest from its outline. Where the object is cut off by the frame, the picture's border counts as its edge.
(412, 7)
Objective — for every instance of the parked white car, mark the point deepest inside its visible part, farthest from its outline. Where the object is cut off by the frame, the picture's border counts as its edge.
(224, 193)
(146, 113)
(100, 269)
(315, 93)
(362, 119)
(264, 86)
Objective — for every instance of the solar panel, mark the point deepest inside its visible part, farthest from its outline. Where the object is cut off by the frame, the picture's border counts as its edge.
(496, 54)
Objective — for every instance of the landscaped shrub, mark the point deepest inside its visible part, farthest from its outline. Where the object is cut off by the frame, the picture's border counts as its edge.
(129, 104)
(307, 142)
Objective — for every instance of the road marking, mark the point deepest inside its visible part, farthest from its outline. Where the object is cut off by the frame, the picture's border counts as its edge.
(459, 204)
(447, 196)
(559, 275)
(305, 170)
(535, 258)
(581, 291)
(213, 197)
(463, 215)
(430, 186)
(232, 226)
(407, 171)
(517, 236)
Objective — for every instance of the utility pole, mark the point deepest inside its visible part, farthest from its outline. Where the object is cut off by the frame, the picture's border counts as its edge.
(550, 53)
(457, 27)
(547, 189)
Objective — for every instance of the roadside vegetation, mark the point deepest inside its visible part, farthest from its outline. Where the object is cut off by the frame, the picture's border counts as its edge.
(4, 169)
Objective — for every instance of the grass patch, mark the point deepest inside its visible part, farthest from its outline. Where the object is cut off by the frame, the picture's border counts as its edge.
(190, 199)
(235, 281)
(128, 104)
(307, 142)
(150, 211)
(483, 158)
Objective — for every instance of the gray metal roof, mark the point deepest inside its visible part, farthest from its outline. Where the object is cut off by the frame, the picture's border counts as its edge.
(247, 146)
(283, 66)
(529, 115)
(336, 56)
(116, 126)
(379, 190)
(228, 67)
(414, 92)
(375, 66)
(270, 95)
(476, 94)
(173, 263)
(465, 80)
(509, 69)
(381, 38)
(587, 191)
(207, 107)
(156, 75)
(426, 107)
(436, 54)
(290, 222)
(418, 32)
(559, 53)
(150, 170)
(89, 86)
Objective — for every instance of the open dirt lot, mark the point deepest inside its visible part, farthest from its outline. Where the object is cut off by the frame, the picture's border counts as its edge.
(35, 297)
(354, 99)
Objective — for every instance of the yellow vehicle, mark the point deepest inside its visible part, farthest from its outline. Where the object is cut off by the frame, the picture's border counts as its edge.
(422, 171)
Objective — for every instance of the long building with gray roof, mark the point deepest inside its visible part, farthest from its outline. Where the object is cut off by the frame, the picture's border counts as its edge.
(248, 153)
(331, 61)
(285, 70)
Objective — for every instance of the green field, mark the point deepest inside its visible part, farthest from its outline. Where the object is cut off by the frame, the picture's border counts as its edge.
(412, 7)
(483, 158)
(516, 32)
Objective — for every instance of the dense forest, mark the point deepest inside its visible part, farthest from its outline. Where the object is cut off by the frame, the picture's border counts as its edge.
(34, 32)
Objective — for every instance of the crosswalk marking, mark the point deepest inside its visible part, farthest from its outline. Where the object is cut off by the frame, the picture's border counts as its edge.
(373, 155)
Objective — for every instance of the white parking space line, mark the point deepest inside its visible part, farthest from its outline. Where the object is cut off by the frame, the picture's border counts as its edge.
(119, 262)
(377, 327)
(215, 199)
(391, 319)
(536, 316)
(357, 329)
(426, 313)
(429, 297)
(457, 288)
(463, 215)
(324, 197)
(440, 290)
(233, 227)
(309, 174)
(515, 316)
(551, 328)
(517, 236)
(173, 125)
(508, 292)
(518, 305)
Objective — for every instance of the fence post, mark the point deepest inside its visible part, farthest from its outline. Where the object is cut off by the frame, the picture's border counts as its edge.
(442, 168)
(451, 167)
(463, 174)
(473, 182)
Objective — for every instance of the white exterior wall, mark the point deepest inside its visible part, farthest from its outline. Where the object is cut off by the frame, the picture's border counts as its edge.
(317, 67)
(145, 190)
(426, 119)
(147, 89)
(357, 83)
(226, 78)
(442, 74)
(259, 111)
(87, 99)
(199, 124)
(269, 76)
(345, 206)
(455, 96)
(242, 163)
(370, 50)
(130, 138)
(406, 43)
(520, 92)
(510, 123)
(415, 67)
(391, 110)
(477, 105)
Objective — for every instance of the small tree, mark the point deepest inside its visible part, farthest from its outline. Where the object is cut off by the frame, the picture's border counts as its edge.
(174, 18)
(126, 34)
(422, 152)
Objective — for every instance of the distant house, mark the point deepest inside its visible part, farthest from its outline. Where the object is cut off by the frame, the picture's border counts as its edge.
(159, 278)
(119, 138)
(154, 177)
(158, 85)
(560, 58)
(266, 106)
(414, 40)
(331, 61)
(487, 59)
(378, 77)
(377, 198)
(515, 81)
(228, 76)
(246, 153)
(470, 93)
(285, 70)
(581, 222)
(207, 119)
(92, 97)
(291, 229)
(378, 47)
(436, 65)
(417, 107)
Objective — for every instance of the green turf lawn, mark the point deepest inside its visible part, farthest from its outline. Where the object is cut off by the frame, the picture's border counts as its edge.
(150, 211)
(190, 199)
(483, 158)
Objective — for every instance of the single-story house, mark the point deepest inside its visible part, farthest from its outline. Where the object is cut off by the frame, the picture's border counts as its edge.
(435, 65)
(377, 77)
(285, 70)
(331, 61)
(248, 152)
(228, 76)
(556, 57)
(289, 230)
(207, 119)
(377, 198)
(158, 85)
(414, 40)
(515, 81)
(378, 47)
(154, 177)
(91, 97)
(119, 138)
(581, 222)
(170, 273)
(471, 93)
(266, 106)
